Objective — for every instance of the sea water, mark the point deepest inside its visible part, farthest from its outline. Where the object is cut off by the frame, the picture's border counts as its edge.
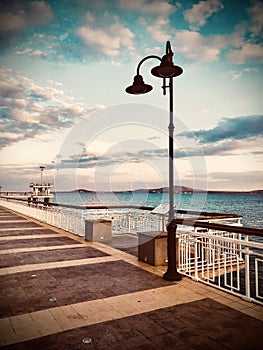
(248, 205)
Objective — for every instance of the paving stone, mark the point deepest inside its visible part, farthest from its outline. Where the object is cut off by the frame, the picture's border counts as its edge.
(19, 225)
(10, 218)
(21, 232)
(37, 242)
(127, 243)
(16, 259)
(146, 325)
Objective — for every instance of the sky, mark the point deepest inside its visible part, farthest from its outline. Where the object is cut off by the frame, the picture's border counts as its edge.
(64, 67)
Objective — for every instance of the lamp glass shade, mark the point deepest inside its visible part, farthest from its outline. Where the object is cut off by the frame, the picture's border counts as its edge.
(167, 69)
(138, 87)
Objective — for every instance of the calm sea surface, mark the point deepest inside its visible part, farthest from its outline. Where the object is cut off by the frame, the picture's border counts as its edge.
(250, 206)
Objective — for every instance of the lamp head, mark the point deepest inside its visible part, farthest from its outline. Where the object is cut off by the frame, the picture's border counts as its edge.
(138, 87)
(167, 69)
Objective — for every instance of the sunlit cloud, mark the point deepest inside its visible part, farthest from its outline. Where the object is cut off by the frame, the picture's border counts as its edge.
(237, 128)
(195, 46)
(160, 30)
(17, 17)
(155, 7)
(238, 74)
(108, 39)
(255, 12)
(28, 109)
(225, 179)
(199, 13)
(248, 52)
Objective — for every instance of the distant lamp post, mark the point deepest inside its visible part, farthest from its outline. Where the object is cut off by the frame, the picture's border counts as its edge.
(41, 173)
(166, 69)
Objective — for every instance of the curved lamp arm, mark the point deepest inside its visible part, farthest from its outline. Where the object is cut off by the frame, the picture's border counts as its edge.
(144, 59)
(168, 52)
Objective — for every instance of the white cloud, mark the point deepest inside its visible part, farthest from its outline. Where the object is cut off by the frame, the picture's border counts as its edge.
(246, 53)
(25, 51)
(237, 37)
(235, 180)
(238, 74)
(90, 18)
(108, 40)
(10, 22)
(154, 16)
(74, 109)
(30, 52)
(196, 47)
(238, 50)
(198, 14)
(155, 7)
(114, 63)
(256, 17)
(35, 13)
(37, 53)
(29, 110)
(39, 13)
(24, 116)
(159, 30)
(57, 83)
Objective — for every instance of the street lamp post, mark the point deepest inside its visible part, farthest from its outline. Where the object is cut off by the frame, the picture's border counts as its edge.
(41, 173)
(166, 70)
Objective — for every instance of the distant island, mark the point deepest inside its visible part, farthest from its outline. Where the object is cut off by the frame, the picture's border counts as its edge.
(177, 189)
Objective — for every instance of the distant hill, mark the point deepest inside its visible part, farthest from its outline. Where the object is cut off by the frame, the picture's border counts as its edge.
(257, 192)
(237, 192)
(81, 190)
(177, 189)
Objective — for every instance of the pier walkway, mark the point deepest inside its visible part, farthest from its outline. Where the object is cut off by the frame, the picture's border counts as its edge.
(58, 291)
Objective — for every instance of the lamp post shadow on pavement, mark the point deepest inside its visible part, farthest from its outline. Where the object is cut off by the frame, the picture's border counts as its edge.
(166, 70)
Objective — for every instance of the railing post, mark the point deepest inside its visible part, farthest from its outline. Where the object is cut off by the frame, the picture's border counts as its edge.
(247, 275)
(162, 221)
(129, 221)
(195, 258)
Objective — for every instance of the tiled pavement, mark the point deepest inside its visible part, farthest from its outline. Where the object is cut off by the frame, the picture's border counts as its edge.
(57, 290)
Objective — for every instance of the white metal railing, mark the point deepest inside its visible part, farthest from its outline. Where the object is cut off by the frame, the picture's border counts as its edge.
(73, 220)
(66, 219)
(134, 220)
(226, 260)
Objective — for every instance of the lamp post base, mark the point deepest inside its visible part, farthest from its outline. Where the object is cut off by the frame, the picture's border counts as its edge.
(172, 276)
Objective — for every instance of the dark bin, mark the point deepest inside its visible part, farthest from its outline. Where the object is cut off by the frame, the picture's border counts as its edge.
(98, 230)
(152, 247)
